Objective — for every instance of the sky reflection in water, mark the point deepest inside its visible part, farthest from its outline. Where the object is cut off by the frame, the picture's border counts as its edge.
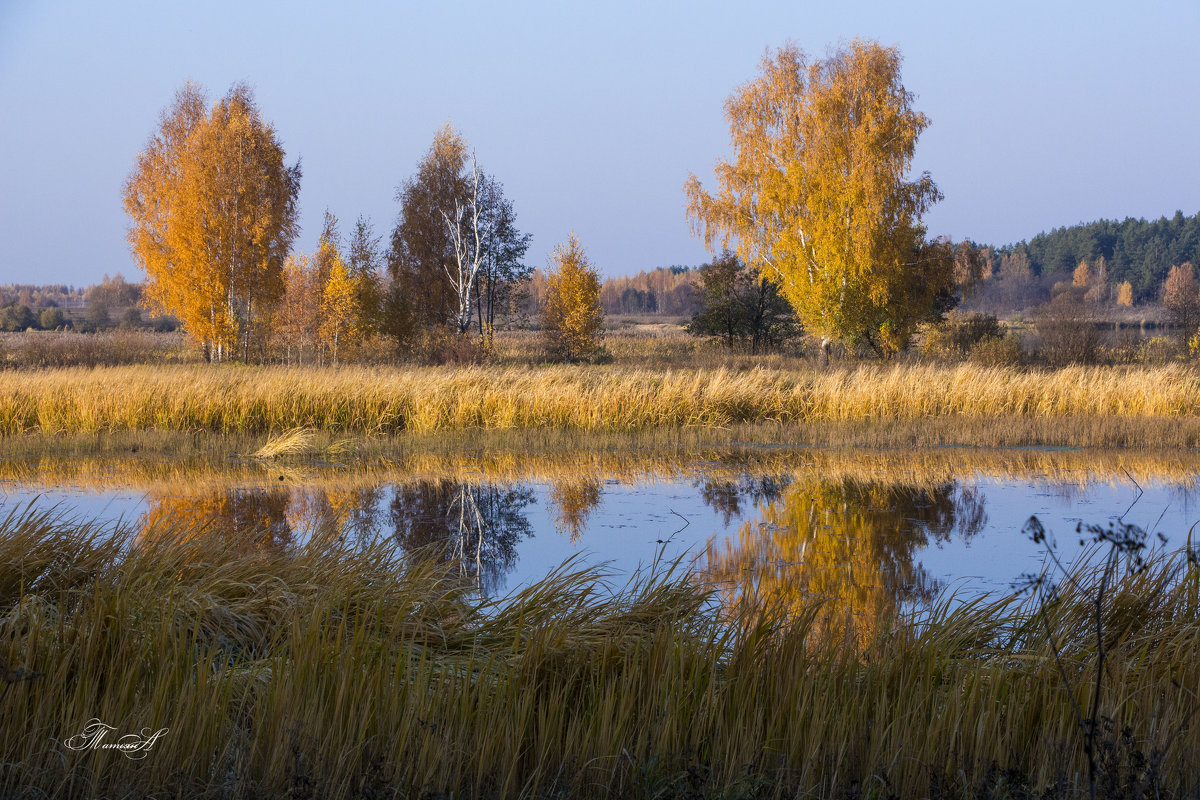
(869, 544)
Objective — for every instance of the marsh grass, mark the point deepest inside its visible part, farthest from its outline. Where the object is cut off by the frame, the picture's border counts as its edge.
(293, 442)
(264, 400)
(177, 463)
(50, 349)
(351, 670)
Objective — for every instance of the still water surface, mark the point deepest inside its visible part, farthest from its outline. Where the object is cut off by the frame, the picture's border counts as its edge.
(871, 539)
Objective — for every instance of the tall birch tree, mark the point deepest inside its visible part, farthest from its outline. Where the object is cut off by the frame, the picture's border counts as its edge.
(212, 208)
(818, 193)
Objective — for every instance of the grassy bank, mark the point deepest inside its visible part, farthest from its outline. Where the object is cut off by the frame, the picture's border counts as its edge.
(348, 671)
(258, 400)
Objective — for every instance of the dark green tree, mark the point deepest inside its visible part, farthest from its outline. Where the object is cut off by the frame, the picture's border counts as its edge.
(365, 262)
(52, 318)
(504, 250)
(742, 305)
(16, 317)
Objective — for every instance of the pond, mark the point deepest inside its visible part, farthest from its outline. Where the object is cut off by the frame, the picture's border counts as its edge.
(871, 531)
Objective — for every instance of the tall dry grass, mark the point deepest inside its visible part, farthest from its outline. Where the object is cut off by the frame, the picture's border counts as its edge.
(263, 399)
(338, 670)
(48, 349)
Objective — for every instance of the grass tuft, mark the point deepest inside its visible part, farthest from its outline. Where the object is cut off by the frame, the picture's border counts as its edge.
(294, 442)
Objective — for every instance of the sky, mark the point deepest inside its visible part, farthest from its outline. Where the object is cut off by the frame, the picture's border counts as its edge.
(592, 115)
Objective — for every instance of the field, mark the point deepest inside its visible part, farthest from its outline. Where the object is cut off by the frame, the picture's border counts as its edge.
(911, 404)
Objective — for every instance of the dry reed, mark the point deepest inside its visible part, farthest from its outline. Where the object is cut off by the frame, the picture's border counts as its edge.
(261, 400)
(341, 671)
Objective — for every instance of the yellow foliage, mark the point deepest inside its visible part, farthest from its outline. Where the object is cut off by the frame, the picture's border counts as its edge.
(213, 214)
(575, 500)
(340, 317)
(298, 314)
(817, 193)
(1194, 345)
(572, 315)
(1082, 276)
(1125, 294)
(844, 543)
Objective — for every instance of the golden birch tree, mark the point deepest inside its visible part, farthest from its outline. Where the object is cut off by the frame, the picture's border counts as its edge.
(818, 193)
(572, 316)
(340, 317)
(1082, 277)
(212, 209)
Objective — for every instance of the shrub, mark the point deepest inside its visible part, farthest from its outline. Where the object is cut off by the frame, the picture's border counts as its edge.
(131, 319)
(1158, 350)
(164, 324)
(957, 334)
(996, 351)
(52, 319)
(572, 316)
(1066, 334)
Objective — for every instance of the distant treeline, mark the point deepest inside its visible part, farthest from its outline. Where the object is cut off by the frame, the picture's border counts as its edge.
(112, 302)
(35, 296)
(670, 291)
(664, 290)
(1132, 250)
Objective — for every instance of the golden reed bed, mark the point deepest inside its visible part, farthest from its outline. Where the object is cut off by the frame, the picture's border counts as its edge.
(263, 399)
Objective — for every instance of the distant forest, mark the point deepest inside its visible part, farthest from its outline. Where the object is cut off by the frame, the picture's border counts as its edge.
(667, 291)
(1132, 250)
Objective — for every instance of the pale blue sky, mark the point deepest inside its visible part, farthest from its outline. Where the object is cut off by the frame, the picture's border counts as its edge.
(592, 114)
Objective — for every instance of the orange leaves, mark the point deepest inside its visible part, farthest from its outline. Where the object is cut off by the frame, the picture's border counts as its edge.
(213, 213)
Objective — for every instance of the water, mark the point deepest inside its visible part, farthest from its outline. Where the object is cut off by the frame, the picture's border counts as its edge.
(870, 532)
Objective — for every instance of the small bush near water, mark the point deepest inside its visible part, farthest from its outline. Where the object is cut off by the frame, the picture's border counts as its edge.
(342, 669)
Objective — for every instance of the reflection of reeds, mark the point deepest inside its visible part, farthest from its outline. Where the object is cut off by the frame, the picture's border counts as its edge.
(576, 461)
(351, 670)
(583, 398)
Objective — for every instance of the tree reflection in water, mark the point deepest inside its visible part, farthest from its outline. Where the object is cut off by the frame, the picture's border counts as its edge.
(475, 526)
(848, 544)
(728, 497)
(575, 501)
(252, 518)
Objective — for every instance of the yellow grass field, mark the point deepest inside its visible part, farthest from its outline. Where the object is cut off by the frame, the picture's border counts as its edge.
(250, 400)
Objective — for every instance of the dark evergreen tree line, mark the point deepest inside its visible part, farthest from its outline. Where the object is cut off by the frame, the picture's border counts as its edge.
(1135, 250)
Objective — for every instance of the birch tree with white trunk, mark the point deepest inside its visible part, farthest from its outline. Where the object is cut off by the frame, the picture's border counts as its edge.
(469, 255)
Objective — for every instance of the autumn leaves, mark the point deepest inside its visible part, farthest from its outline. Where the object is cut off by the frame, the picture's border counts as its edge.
(212, 209)
(213, 217)
(818, 197)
